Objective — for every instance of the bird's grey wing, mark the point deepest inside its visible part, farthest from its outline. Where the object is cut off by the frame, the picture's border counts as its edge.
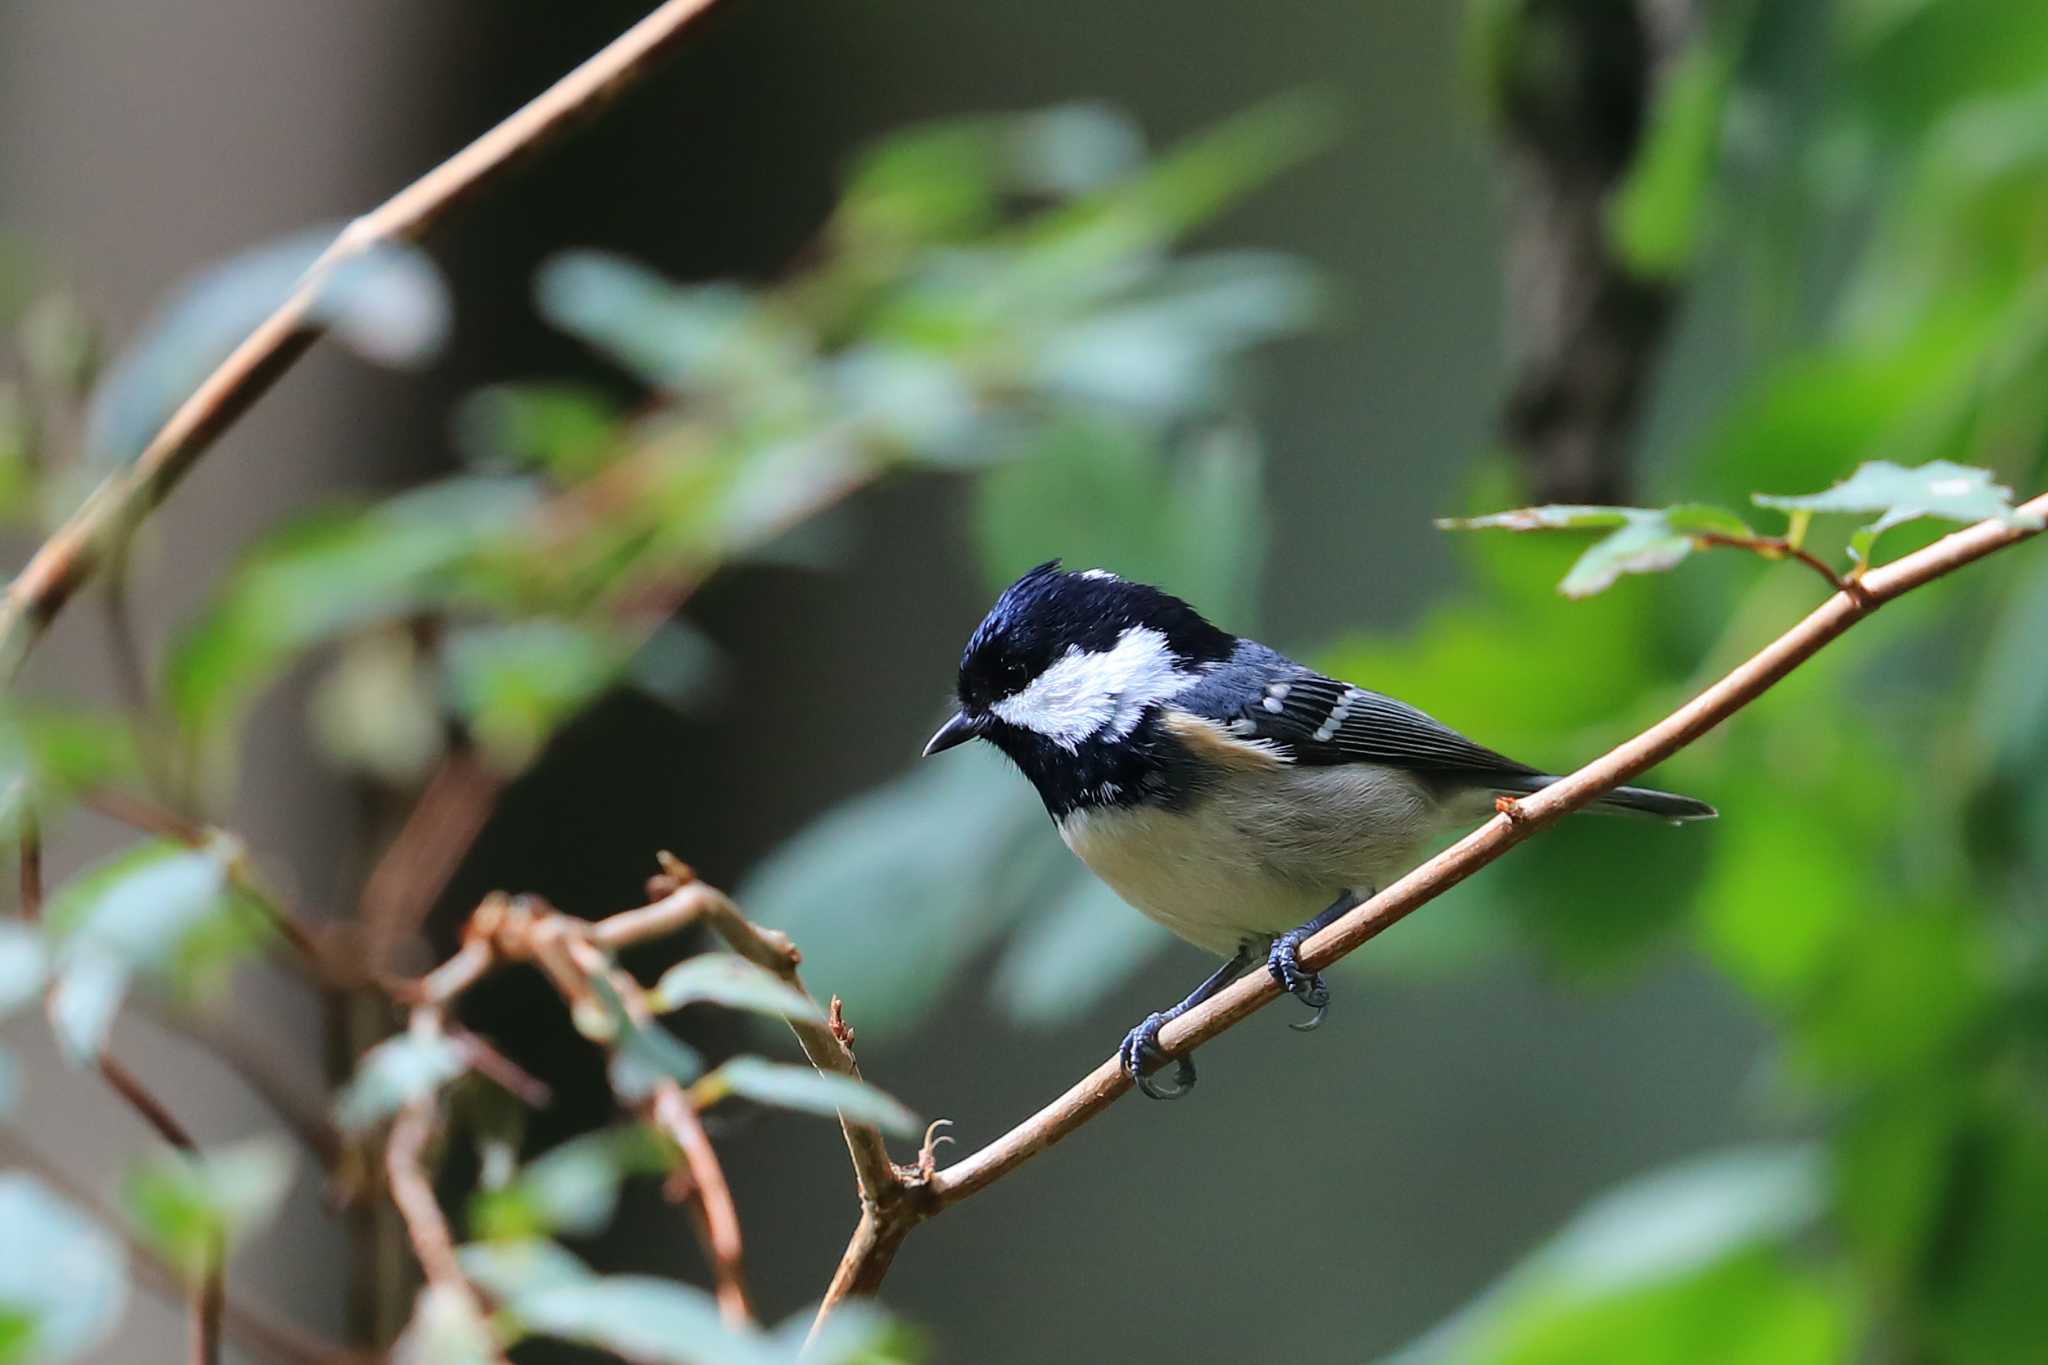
(1317, 720)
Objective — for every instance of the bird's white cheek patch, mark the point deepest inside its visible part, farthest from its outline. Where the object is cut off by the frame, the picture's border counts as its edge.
(1100, 694)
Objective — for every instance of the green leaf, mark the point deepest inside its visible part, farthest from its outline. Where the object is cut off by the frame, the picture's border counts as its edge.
(1659, 214)
(447, 1328)
(1677, 1267)
(510, 1270)
(928, 854)
(50, 753)
(698, 339)
(943, 181)
(573, 1188)
(24, 965)
(63, 1281)
(1105, 494)
(516, 683)
(330, 574)
(393, 1074)
(734, 982)
(1163, 350)
(83, 1005)
(1950, 492)
(642, 1054)
(376, 713)
(388, 304)
(159, 907)
(660, 1322)
(1982, 1298)
(195, 1209)
(1639, 539)
(811, 1091)
(565, 430)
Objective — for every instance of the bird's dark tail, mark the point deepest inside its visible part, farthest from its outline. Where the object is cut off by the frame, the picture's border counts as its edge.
(1625, 800)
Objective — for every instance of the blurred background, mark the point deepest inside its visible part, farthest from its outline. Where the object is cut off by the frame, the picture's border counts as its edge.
(722, 423)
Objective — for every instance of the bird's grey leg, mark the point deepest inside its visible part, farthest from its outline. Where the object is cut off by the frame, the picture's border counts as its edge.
(1141, 1052)
(1284, 960)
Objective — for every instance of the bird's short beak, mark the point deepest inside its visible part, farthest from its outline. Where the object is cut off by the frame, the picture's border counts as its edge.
(958, 730)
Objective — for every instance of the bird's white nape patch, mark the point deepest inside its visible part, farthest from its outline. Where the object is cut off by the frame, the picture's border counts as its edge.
(1103, 693)
(1099, 573)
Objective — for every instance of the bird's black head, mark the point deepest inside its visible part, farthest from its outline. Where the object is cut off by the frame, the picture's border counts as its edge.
(1068, 661)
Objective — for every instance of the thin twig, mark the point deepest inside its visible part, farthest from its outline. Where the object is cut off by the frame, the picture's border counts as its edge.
(670, 1111)
(413, 1192)
(425, 854)
(867, 1255)
(70, 556)
(210, 1294)
(233, 1046)
(1778, 547)
(692, 901)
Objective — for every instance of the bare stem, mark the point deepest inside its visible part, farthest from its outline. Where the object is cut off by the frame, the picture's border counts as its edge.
(210, 1294)
(870, 1251)
(413, 1192)
(70, 556)
(670, 1111)
(1779, 547)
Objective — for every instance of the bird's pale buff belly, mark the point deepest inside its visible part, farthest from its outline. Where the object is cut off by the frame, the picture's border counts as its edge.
(1263, 854)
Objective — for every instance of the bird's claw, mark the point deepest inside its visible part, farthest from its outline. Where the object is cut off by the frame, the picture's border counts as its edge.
(1284, 962)
(1141, 1054)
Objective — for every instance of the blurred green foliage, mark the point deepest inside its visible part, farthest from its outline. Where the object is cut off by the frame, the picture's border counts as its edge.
(997, 297)
(1005, 300)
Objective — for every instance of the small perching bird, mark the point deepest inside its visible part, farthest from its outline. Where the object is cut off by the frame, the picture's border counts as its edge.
(1240, 799)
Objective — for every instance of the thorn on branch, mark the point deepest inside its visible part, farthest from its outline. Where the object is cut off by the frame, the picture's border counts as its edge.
(928, 1154)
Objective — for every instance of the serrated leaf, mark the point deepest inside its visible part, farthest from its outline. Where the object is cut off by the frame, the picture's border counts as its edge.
(810, 1091)
(63, 1280)
(1940, 489)
(393, 1074)
(734, 982)
(1639, 539)
(194, 1209)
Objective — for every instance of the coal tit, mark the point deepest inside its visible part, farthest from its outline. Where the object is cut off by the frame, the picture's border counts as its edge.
(1240, 799)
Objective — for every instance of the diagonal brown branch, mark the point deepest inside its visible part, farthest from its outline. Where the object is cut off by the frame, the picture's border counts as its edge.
(874, 1244)
(70, 556)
